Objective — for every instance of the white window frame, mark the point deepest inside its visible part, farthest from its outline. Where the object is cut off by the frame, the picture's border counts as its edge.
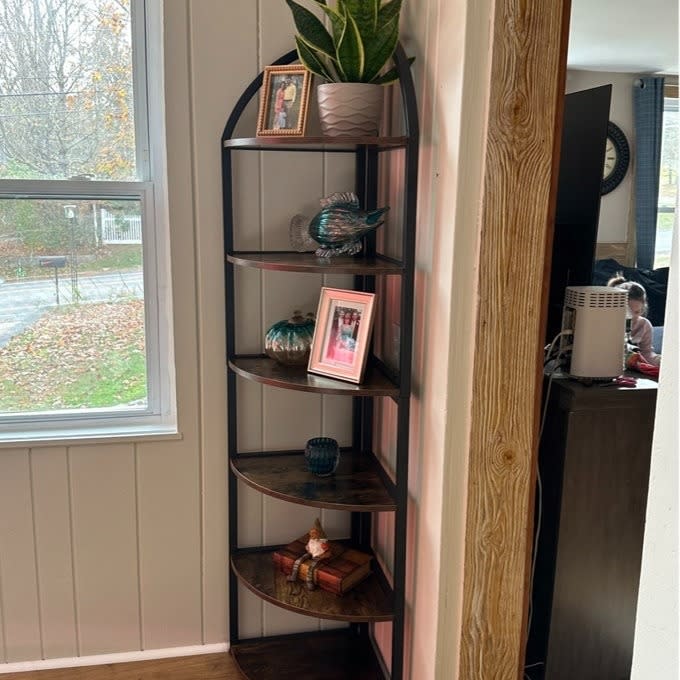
(671, 102)
(159, 417)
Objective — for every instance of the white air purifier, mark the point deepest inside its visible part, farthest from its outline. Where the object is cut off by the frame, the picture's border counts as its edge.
(596, 317)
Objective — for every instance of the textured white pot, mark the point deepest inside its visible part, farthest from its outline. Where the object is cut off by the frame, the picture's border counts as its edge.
(350, 109)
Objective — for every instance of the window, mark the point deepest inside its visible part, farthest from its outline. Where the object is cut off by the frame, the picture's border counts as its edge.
(85, 347)
(668, 180)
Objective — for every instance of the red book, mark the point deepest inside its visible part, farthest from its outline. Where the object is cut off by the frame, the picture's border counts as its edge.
(337, 574)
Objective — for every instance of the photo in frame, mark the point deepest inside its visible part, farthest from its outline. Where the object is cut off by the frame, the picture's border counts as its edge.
(284, 100)
(344, 322)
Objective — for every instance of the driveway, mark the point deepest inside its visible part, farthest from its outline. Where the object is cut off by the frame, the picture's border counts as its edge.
(22, 302)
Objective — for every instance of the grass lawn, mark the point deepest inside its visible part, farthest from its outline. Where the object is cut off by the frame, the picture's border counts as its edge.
(664, 230)
(76, 356)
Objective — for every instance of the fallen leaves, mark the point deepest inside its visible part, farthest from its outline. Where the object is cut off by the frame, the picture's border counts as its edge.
(76, 345)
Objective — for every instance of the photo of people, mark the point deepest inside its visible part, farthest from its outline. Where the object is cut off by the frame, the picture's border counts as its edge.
(341, 345)
(284, 105)
(284, 98)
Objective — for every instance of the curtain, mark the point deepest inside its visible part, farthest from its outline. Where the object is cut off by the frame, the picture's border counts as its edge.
(648, 115)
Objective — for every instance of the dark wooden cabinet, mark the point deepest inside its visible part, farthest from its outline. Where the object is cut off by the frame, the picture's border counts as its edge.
(362, 485)
(594, 463)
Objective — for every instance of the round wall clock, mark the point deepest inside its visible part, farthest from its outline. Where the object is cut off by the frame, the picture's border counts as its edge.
(616, 158)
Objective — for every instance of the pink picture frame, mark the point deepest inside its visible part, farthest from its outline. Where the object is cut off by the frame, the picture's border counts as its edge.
(344, 321)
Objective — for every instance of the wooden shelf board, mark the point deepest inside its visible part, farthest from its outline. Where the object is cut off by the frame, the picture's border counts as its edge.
(308, 262)
(264, 370)
(292, 143)
(368, 601)
(356, 485)
(330, 655)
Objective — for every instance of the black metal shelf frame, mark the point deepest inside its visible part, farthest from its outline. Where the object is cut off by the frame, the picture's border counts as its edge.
(366, 173)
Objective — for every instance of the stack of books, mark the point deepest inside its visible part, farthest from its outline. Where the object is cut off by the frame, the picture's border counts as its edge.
(337, 574)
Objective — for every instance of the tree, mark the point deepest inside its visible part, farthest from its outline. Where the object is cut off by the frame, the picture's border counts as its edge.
(66, 96)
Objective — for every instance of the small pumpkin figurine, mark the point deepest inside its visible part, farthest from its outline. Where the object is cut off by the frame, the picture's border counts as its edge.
(289, 341)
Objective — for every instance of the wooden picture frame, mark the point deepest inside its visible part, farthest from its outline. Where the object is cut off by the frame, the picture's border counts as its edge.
(284, 100)
(344, 321)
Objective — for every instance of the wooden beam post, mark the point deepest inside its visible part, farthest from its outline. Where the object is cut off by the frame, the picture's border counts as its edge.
(522, 152)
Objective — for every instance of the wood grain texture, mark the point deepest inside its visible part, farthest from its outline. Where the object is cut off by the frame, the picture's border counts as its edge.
(527, 85)
(355, 485)
(269, 372)
(206, 24)
(315, 143)
(368, 601)
(200, 667)
(308, 262)
(327, 656)
(599, 527)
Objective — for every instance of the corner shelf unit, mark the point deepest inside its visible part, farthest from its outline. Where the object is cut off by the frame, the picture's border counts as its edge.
(360, 486)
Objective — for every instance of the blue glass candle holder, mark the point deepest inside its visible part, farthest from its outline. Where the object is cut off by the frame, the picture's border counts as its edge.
(322, 455)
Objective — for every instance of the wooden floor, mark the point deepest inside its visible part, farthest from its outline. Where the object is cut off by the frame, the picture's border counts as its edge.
(200, 667)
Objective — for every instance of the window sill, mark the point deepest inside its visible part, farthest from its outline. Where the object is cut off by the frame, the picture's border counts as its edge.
(82, 436)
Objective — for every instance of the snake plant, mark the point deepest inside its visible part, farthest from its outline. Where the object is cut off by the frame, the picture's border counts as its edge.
(362, 39)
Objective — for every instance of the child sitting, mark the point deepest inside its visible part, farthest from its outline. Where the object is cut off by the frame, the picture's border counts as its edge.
(640, 327)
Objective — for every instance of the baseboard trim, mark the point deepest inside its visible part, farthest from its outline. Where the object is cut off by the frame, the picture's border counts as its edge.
(119, 657)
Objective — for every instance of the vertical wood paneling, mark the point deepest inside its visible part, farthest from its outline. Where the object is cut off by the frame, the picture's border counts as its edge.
(291, 184)
(249, 396)
(287, 292)
(103, 501)
(336, 523)
(284, 522)
(18, 574)
(336, 419)
(278, 621)
(276, 30)
(52, 510)
(250, 328)
(336, 412)
(213, 92)
(250, 613)
(3, 656)
(289, 421)
(526, 93)
(338, 172)
(246, 176)
(288, 418)
(168, 483)
(250, 512)
(182, 223)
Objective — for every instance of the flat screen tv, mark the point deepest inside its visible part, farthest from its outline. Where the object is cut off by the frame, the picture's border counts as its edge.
(584, 136)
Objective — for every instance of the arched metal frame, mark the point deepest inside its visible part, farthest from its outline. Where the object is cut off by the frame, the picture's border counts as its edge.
(366, 164)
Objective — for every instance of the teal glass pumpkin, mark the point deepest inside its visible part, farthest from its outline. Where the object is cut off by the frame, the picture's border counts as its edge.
(289, 341)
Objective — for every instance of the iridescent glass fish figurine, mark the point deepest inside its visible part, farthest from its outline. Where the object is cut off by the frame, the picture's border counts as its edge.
(337, 228)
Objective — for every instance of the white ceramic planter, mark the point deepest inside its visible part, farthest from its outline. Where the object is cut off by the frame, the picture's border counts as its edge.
(350, 109)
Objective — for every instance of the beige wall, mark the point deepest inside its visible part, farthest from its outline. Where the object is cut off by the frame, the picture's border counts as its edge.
(120, 547)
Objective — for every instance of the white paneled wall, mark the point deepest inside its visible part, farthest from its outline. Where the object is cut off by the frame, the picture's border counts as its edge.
(110, 548)
(20, 605)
